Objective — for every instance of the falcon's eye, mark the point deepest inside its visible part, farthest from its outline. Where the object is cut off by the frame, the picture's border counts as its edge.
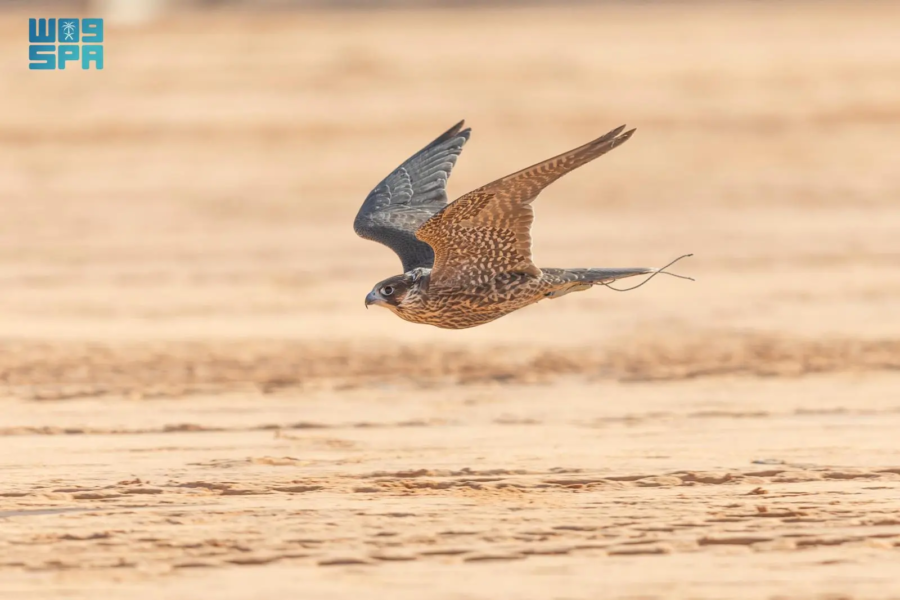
(387, 290)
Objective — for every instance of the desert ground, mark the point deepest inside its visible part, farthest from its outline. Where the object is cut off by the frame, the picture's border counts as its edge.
(196, 404)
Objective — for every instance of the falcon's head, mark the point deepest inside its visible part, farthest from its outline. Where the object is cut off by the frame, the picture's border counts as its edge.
(394, 292)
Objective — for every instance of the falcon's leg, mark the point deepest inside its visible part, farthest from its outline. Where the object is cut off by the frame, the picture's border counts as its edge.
(572, 287)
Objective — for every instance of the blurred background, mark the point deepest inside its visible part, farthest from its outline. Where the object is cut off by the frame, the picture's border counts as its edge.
(203, 185)
(189, 377)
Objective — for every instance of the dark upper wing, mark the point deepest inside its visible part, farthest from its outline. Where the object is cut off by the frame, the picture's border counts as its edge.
(409, 196)
(488, 231)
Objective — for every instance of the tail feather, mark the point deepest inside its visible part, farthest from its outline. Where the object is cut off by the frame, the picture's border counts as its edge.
(565, 281)
(596, 276)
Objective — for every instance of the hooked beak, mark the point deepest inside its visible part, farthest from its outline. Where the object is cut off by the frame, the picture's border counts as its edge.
(373, 298)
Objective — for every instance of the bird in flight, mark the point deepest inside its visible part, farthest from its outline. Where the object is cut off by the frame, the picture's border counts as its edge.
(468, 262)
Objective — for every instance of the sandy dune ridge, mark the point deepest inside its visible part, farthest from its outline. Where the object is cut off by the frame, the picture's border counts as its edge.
(48, 371)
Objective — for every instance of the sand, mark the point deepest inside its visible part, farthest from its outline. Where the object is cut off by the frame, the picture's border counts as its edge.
(196, 404)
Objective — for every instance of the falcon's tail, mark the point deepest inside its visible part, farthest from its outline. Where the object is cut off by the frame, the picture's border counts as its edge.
(596, 276)
(576, 280)
(566, 281)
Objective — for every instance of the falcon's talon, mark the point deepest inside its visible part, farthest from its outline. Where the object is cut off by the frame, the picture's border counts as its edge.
(469, 262)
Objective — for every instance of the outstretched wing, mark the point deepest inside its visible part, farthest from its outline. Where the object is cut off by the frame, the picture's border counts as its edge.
(409, 196)
(488, 231)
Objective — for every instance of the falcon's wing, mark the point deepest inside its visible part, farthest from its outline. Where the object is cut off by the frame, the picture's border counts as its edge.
(488, 231)
(409, 196)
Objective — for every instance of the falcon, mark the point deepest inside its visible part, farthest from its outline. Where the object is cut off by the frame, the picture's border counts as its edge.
(469, 262)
